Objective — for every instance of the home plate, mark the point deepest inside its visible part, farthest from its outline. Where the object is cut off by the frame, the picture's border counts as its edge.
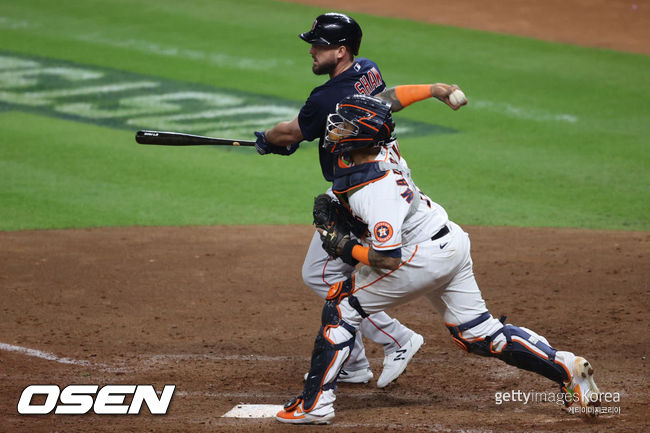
(253, 411)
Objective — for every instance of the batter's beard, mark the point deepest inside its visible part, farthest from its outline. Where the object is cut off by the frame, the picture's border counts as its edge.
(324, 68)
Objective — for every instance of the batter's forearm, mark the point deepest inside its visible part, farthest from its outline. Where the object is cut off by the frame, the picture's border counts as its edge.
(402, 96)
(390, 96)
(285, 133)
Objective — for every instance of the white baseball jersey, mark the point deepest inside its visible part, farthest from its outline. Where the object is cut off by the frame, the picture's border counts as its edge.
(401, 222)
(396, 211)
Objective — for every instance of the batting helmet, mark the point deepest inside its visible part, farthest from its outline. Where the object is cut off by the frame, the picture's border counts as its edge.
(359, 121)
(334, 29)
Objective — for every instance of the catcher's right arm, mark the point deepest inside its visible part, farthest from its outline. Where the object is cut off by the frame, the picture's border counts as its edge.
(334, 222)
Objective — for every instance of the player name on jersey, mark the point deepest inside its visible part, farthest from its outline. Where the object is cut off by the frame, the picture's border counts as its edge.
(369, 82)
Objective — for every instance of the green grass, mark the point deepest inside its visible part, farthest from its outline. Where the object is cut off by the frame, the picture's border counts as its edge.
(99, 177)
(554, 135)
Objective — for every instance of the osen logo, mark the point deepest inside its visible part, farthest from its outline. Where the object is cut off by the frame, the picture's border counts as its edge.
(80, 399)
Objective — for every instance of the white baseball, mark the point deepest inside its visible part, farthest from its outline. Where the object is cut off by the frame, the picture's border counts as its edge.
(457, 97)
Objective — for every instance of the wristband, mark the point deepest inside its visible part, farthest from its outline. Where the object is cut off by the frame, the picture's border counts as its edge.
(410, 93)
(346, 252)
(361, 254)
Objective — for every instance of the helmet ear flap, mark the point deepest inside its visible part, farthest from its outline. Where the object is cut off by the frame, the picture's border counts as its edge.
(356, 43)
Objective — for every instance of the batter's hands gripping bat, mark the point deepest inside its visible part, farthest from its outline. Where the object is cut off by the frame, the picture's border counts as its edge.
(180, 139)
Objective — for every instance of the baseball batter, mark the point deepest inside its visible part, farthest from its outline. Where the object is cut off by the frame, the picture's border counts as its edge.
(412, 249)
(335, 40)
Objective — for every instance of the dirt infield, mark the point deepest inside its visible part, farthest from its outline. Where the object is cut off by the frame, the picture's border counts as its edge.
(223, 314)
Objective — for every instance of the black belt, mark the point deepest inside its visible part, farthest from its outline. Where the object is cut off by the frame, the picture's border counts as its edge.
(443, 231)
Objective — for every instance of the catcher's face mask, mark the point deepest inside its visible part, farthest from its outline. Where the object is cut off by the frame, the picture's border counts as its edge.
(337, 129)
(360, 121)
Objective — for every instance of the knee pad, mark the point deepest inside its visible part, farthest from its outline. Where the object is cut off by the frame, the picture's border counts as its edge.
(336, 294)
(478, 346)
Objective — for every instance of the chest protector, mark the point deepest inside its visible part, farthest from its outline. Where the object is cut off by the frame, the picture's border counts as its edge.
(348, 180)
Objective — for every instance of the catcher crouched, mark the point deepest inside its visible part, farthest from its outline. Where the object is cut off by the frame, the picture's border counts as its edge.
(412, 249)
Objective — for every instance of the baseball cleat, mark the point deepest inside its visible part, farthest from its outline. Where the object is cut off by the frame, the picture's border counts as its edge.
(363, 375)
(292, 414)
(395, 363)
(582, 388)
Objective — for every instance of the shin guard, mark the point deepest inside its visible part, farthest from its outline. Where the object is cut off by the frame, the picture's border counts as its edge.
(515, 346)
(527, 350)
(332, 347)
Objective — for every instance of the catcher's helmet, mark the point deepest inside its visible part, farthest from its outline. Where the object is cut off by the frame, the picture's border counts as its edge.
(359, 121)
(334, 28)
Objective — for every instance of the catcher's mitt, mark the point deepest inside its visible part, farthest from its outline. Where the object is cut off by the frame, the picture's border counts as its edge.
(331, 218)
(330, 214)
(325, 214)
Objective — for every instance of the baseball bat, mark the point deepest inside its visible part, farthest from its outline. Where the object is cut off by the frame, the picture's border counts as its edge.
(179, 139)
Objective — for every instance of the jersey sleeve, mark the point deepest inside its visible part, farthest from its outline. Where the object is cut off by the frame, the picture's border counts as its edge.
(313, 117)
(382, 207)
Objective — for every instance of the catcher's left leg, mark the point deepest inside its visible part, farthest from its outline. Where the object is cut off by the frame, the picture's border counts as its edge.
(475, 330)
(340, 320)
(523, 348)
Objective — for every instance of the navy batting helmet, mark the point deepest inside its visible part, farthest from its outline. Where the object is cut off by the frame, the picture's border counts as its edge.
(334, 29)
(359, 121)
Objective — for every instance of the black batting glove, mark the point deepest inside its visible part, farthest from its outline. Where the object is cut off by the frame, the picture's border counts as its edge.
(262, 145)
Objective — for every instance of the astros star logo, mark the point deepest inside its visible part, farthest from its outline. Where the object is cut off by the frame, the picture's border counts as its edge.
(383, 231)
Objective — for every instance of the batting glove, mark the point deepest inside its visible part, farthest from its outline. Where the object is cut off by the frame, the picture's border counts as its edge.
(285, 150)
(262, 145)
